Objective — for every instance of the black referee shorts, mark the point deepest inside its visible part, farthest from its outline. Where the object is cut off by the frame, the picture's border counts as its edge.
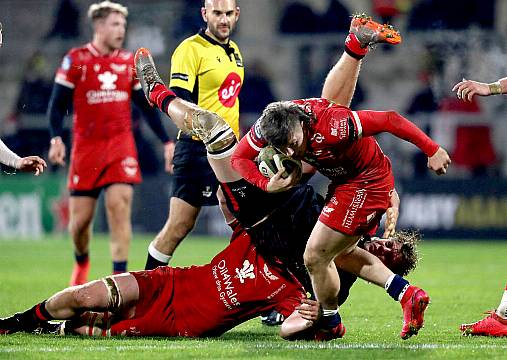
(193, 180)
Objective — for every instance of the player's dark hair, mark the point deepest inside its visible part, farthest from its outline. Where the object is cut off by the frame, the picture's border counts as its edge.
(409, 254)
(278, 120)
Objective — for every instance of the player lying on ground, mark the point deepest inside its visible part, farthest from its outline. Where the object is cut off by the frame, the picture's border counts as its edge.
(198, 301)
(221, 143)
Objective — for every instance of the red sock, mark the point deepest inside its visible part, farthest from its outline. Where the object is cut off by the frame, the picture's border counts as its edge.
(353, 47)
(160, 94)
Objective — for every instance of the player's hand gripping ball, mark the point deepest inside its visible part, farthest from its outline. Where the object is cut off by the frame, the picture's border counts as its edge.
(271, 160)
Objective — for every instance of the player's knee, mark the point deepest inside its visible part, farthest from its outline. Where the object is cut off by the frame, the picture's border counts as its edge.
(313, 260)
(78, 227)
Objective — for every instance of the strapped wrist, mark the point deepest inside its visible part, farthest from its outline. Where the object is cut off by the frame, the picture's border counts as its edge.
(495, 88)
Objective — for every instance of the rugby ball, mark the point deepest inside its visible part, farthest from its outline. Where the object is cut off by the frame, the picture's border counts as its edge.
(270, 161)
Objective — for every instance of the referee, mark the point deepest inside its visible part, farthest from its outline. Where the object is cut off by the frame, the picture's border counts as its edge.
(207, 70)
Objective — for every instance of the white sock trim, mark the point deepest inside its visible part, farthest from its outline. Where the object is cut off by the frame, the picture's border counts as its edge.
(327, 312)
(403, 292)
(157, 254)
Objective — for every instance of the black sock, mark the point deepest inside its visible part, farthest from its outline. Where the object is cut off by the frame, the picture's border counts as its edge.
(152, 263)
(330, 321)
(81, 259)
(119, 267)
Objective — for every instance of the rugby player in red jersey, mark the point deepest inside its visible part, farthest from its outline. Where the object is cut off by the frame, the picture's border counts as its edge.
(97, 79)
(339, 142)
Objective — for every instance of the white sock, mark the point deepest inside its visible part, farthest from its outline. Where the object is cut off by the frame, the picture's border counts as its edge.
(158, 255)
(502, 308)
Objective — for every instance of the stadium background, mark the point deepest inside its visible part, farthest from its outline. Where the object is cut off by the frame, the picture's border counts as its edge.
(288, 48)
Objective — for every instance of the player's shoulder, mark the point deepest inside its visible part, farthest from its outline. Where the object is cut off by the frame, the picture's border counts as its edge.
(78, 51)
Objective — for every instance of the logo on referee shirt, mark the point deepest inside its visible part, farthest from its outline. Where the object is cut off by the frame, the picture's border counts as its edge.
(229, 90)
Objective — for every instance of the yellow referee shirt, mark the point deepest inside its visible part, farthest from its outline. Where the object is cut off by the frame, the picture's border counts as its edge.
(212, 72)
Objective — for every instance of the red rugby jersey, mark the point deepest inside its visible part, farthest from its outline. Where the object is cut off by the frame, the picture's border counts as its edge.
(340, 143)
(102, 87)
(236, 286)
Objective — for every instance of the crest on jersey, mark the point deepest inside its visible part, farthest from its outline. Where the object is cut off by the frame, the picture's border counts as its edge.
(129, 165)
(229, 90)
(269, 274)
(107, 80)
(246, 272)
(119, 68)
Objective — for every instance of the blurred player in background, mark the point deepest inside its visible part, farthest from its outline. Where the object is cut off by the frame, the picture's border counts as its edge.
(97, 79)
(33, 163)
(496, 323)
(340, 144)
(207, 70)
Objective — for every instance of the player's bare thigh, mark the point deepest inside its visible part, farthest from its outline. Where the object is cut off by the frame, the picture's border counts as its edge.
(325, 243)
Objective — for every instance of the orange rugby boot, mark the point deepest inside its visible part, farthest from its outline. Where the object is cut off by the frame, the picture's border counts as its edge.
(370, 32)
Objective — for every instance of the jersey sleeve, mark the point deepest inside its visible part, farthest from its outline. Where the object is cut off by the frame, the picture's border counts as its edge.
(374, 122)
(243, 158)
(184, 67)
(69, 72)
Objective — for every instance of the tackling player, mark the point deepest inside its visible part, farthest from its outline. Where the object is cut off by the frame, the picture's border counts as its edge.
(207, 70)
(97, 79)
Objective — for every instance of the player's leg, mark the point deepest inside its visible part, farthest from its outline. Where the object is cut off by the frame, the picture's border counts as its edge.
(118, 203)
(181, 220)
(81, 211)
(322, 247)
(217, 135)
(113, 294)
(495, 324)
(341, 81)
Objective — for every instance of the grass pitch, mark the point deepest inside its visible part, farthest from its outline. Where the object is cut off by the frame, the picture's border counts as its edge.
(462, 278)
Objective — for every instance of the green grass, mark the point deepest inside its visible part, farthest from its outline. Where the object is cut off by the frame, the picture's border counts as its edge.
(462, 278)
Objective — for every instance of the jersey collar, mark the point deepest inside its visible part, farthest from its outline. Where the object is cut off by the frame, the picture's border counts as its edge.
(229, 50)
(96, 52)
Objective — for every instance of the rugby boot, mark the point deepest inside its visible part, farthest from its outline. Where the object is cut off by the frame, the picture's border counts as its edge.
(147, 73)
(272, 319)
(51, 328)
(329, 334)
(16, 323)
(370, 32)
(492, 325)
(80, 274)
(413, 303)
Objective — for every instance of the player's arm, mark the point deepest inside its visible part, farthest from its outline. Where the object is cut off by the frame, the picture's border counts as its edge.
(59, 104)
(300, 324)
(375, 122)
(466, 89)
